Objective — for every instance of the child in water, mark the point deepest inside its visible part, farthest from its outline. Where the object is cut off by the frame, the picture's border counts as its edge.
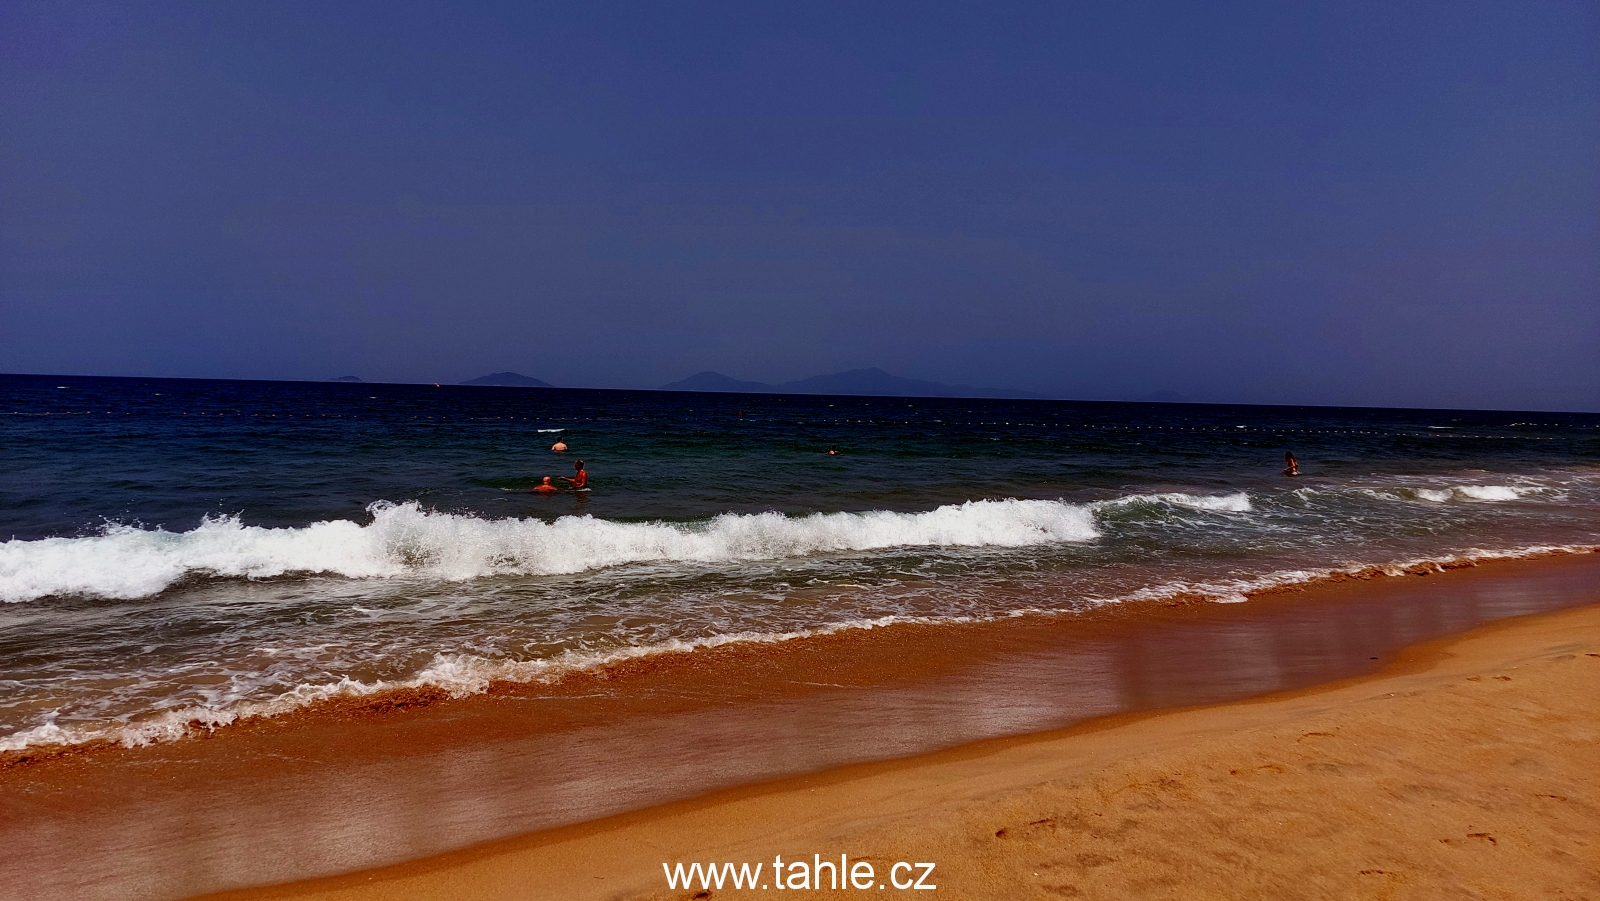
(1291, 466)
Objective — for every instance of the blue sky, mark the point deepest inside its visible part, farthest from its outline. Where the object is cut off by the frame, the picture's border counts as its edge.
(1338, 204)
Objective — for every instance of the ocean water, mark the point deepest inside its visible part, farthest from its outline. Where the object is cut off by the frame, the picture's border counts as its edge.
(176, 554)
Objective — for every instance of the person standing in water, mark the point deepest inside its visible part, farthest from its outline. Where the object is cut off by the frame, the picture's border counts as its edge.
(560, 446)
(545, 487)
(1291, 466)
(580, 480)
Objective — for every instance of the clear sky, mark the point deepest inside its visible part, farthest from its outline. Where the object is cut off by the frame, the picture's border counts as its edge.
(1338, 203)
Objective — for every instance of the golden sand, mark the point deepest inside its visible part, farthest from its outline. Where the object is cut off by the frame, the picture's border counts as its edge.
(1466, 769)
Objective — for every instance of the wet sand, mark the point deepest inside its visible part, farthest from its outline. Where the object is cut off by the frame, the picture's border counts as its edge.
(1466, 768)
(401, 778)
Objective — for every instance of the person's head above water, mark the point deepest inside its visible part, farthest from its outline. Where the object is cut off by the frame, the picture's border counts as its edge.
(546, 480)
(577, 464)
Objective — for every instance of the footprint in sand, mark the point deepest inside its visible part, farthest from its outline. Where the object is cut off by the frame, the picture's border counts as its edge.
(1389, 886)
(1480, 836)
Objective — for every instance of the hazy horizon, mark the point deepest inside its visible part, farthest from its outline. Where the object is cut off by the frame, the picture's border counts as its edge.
(1251, 204)
(1151, 398)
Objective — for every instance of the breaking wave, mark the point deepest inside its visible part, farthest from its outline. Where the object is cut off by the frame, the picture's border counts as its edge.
(1477, 493)
(126, 562)
(1238, 502)
(461, 675)
(1450, 493)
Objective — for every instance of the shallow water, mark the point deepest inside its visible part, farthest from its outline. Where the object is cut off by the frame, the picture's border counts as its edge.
(327, 793)
(181, 552)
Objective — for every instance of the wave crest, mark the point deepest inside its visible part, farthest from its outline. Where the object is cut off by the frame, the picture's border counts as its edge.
(1478, 493)
(126, 562)
(1238, 502)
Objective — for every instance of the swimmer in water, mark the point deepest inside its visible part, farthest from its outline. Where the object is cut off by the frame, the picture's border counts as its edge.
(1291, 466)
(833, 451)
(580, 481)
(545, 487)
(560, 446)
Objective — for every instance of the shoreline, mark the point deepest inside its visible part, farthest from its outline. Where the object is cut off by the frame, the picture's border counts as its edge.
(970, 807)
(294, 797)
(557, 677)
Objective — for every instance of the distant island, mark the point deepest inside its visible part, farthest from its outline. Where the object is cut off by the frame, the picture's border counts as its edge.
(872, 382)
(716, 381)
(508, 380)
(346, 378)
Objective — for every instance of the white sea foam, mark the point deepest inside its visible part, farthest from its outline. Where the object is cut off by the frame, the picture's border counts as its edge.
(1446, 493)
(406, 540)
(461, 675)
(1493, 492)
(1478, 493)
(1225, 503)
(1234, 591)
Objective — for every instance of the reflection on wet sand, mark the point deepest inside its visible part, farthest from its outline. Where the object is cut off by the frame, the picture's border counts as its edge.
(316, 795)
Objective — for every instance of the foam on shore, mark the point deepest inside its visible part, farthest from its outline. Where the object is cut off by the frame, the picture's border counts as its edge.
(460, 675)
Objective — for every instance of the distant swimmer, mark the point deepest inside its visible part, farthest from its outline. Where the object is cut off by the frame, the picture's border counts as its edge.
(560, 446)
(545, 487)
(833, 451)
(580, 481)
(1291, 466)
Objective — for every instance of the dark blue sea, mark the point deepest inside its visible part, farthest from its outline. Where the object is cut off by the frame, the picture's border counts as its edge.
(179, 553)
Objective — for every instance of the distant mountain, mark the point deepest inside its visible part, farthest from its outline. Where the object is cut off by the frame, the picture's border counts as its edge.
(508, 380)
(716, 381)
(346, 378)
(873, 382)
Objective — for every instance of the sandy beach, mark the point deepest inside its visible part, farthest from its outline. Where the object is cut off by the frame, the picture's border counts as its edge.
(1464, 768)
(493, 452)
